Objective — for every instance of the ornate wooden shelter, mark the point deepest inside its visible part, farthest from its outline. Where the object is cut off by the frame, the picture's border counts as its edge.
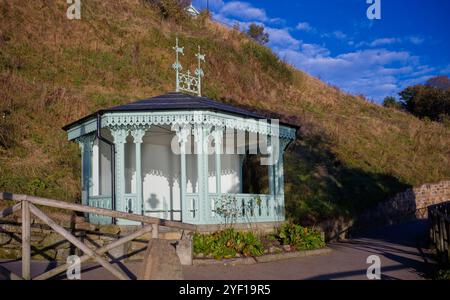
(180, 157)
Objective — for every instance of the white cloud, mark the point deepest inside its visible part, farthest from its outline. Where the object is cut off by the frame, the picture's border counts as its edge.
(313, 50)
(304, 26)
(282, 38)
(339, 35)
(446, 70)
(383, 41)
(372, 72)
(416, 40)
(213, 4)
(244, 11)
(413, 81)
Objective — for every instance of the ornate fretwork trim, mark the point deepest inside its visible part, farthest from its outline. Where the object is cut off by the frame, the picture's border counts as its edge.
(138, 135)
(120, 135)
(86, 142)
(136, 120)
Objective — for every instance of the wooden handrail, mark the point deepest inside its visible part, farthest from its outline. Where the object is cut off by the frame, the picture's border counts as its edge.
(27, 205)
(97, 211)
(99, 251)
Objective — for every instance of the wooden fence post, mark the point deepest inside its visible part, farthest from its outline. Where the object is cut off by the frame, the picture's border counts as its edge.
(59, 229)
(436, 230)
(26, 247)
(442, 233)
(155, 231)
(447, 223)
(99, 251)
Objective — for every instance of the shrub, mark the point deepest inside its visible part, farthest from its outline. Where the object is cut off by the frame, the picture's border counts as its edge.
(257, 33)
(172, 9)
(426, 102)
(300, 237)
(7, 133)
(391, 102)
(443, 275)
(228, 243)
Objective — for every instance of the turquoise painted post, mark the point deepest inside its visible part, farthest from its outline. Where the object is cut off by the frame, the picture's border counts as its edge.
(276, 150)
(85, 143)
(201, 134)
(271, 172)
(241, 172)
(138, 136)
(182, 134)
(271, 180)
(207, 207)
(120, 139)
(218, 140)
(280, 166)
(185, 207)
(198, 134)
(280, 193)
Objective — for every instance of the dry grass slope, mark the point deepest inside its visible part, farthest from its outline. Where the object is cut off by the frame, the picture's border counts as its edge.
(350, 154)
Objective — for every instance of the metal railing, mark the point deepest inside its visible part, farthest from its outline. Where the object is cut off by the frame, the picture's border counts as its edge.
(100, 202)
(27, 205)
(246, 208)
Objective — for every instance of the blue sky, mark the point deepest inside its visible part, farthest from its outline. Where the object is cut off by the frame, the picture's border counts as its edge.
(336, 42)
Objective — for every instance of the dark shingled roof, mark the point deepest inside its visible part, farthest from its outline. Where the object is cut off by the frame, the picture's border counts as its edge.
(178, 101)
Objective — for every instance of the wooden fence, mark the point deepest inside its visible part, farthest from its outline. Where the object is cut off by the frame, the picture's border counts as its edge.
(439, 216)
(27, 205)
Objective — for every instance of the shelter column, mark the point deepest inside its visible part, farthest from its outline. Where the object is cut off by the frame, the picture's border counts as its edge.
(86, 145)
(280, 166)
(270, 168)
(201, 133)
(138, 136)
(218, 141)
(283, 143)
(182, 134)
(96, 168)
(120, 139)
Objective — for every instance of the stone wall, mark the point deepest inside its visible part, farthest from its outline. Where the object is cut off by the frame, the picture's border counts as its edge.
(411, 204)
(46, 244)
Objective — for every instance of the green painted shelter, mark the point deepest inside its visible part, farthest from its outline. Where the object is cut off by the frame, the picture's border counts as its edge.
(183, 158)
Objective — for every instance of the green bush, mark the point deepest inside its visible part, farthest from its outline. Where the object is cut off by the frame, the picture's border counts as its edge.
(443, 275)
(228, 243)
(172, 9)
(301, 238)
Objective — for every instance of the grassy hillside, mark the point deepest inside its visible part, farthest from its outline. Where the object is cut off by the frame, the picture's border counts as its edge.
(350, 154)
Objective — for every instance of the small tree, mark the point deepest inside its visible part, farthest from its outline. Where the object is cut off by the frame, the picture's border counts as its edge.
(391, 102)
(439, 82)
(426, 102)
(257, 33)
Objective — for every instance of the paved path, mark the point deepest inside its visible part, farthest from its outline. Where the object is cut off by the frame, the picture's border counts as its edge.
(399, 247)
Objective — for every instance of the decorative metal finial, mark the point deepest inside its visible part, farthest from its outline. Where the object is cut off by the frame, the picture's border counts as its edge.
(185, 81)
(177, 66)
(199, 71)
